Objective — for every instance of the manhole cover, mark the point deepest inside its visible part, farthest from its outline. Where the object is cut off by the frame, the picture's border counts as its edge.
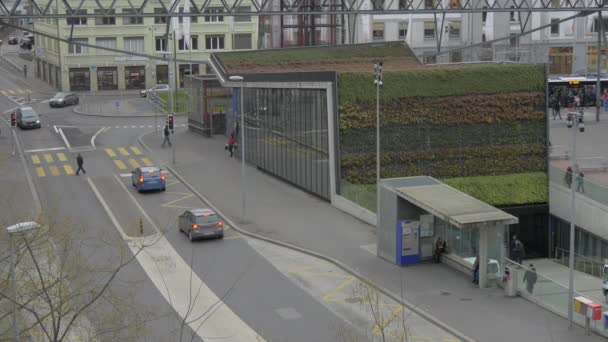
(353, 300)
(466, 299)
(445, 293)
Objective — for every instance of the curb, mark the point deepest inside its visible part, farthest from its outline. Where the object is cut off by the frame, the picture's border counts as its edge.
(79, 112)
(432, 319)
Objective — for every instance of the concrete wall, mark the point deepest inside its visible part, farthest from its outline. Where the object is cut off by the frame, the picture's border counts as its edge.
(590, 215)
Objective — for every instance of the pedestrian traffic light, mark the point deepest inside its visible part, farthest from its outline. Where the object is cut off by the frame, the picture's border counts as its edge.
(13, 120)
(170, 121)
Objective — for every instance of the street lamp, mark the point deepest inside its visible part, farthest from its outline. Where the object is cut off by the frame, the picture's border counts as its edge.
(16, 229)
(378, 83)
(240, 79)
(570, 120)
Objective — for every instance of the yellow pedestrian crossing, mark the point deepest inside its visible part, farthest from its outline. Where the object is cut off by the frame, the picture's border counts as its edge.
(40, 171)
(12, 92)
(123, 151)
(134, 163)
(62, 157)
(4, 92)
(68, 169)
(15, 91)
(118, 153)
(54, 170)
(20, 91)
(136, 150)
(147, 161)
(48, 157)
(120, 164)
(110, 152)
(35, 159)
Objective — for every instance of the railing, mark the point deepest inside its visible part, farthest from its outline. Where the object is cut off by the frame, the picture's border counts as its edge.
(581, 263)
(593, 190)
(554, 296)
(592, 163)
(358, 194)
(559, 152)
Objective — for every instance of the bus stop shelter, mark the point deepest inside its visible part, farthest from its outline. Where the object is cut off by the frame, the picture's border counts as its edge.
(415, 211)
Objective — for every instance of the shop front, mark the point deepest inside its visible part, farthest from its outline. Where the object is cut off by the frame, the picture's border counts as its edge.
(80, 79)
(135, 77)
(107, 78)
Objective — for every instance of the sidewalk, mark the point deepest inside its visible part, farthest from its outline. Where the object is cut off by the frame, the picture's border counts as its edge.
(279, 211)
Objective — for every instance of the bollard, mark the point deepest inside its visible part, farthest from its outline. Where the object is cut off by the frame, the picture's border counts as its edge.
(141, 227)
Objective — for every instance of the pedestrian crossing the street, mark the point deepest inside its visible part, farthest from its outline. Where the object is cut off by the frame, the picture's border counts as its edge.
(51, 164)
(7, 92)
(128, 158)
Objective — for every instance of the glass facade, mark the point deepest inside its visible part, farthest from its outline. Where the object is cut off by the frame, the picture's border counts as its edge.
(80, 79)
(107, 78)
(286, 135)
(135, 77)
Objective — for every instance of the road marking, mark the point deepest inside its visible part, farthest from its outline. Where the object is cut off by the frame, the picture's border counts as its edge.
(40, 171)
(68, 169)
(10, 91)
(125, 175)
(110, 152)
(4, 93)
(134, 163)
(107, 209)
(136, 150)
(142, 126)
(125, 126)
(123, 151)
(55, 128)
(48, 157)
(103, 129)
(35, 159)
(147, 161)
(45, 149)
(62, 157)
(20, 91)
(120, 164)
(133, 126)
(54, 170)
(171, 204)
(65, 140)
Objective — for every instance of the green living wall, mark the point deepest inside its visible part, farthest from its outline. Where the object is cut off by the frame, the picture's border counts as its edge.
(458, 124)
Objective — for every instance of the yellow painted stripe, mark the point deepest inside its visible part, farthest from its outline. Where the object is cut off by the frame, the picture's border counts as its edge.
(29, 91)
(4, 93)
(134, 163)
(120, 164)
(123, 151)
(54, 170)
(40, 171)
(68, 169)
(20, 91)
(35, 159)
(135, 150)
(147, 161)
(48, 157)
(62, 157)
(110, 152)
(10, 91)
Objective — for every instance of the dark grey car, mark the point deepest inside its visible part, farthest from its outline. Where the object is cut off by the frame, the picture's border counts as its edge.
(63, 99)
(27, 118)
(201, 223)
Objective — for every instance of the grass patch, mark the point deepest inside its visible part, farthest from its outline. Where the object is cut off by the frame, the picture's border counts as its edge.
(181, 101)
(358, 87)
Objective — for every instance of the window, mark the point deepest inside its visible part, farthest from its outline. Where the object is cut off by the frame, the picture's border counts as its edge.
(131, 20)
(134, 44)
(79, 20)
(161, 44)
(245, 18)
(105, 43)
(184, 70)
(555, 27)
(192, 19)
(512, 15)
(513, 39)
(214, 18)
(241, 41)
(214, 42)
(429, 59)
(429, 29)
(596, 25)
(484, 15)
(429, 4)
(403, 4)
(403, 29)
(378, 31)
(135, 77)
(454, 29)
(160, 20)
(193, 44)
(162, 74)
(107, 78)
(79, 79)
(105, 20)
(79, 49)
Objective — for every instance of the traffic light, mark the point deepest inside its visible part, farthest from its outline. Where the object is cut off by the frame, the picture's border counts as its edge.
(13, 120)
(170, 121)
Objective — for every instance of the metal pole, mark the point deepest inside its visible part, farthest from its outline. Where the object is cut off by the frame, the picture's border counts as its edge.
(13, 137)
(174, 107)
(156, 117)
(599, 58)
(378, 146)
(571, 254)
(14, 284)
(242, 154)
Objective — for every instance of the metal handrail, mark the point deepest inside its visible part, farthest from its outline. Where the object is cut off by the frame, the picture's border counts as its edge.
(586, 261)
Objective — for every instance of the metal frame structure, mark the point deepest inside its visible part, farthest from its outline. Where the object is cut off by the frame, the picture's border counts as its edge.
(41, 8)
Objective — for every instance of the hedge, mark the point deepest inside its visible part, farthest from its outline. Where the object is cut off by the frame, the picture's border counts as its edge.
(358, 87)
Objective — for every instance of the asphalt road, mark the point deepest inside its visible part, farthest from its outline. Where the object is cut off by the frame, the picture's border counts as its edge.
(252, 288)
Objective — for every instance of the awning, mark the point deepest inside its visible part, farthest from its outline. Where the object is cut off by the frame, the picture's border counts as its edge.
(448, 204)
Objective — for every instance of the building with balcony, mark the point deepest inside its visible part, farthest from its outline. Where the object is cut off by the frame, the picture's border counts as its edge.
(74, 67)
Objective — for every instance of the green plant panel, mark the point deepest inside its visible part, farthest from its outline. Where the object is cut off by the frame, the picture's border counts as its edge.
(358, 87)
(512, 189)
(181, 103)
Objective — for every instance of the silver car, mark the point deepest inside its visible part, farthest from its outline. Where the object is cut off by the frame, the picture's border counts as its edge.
(26, 117)
(201, 223)
(159, 88)
(63, 99)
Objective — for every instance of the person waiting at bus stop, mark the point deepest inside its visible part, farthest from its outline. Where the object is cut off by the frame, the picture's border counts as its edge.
(440, 248)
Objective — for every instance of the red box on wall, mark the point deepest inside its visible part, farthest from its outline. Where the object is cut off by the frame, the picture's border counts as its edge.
(594, 311)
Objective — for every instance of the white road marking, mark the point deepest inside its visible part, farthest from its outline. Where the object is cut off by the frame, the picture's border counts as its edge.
(45, 149)
(142, 126)
(143, 212)
(125, 126)
(96, 134)
(107, 209)
(133, 126)
(125, 175)
(55, 128)
(65, 140)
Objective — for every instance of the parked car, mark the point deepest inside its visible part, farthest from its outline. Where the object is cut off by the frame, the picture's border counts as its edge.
(159, 88)
(13, 41)
(27, 118)
(200, 223)
(148, 178)
(25, 42)
(63, 99)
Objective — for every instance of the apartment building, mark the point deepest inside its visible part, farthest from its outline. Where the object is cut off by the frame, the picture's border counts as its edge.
(73, 67)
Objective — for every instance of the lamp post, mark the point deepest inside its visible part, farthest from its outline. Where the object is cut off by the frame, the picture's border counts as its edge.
(15, 229)
(242, 147)
(571, 118)
(378, 83)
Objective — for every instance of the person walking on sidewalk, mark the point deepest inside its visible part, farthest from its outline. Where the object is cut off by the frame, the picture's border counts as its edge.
(230, 145)
(580, 179)
(530, 278)
(440, 247)
(556, 109)
(476, 271)
(568, 177)
(518, 253)
(80, 162)
(166, 133)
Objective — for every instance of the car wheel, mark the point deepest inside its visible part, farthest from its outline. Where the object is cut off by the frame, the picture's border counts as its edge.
(163, 189)
(190, 236)
(140, 190)
(221, 236)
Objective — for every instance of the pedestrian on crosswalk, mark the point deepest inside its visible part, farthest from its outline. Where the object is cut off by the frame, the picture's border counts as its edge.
(166, 135)
(80, 162)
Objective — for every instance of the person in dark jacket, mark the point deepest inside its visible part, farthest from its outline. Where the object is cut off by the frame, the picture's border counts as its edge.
(580, 182)
(530, 278)
(556, 109)
(476, 271)
(440, 248)
(80, 162)
(166, 135)
(568, 177)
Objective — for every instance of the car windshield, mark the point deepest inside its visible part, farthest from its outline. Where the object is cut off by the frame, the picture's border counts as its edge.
(59, 96)
(28, 113)
(211, 218)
